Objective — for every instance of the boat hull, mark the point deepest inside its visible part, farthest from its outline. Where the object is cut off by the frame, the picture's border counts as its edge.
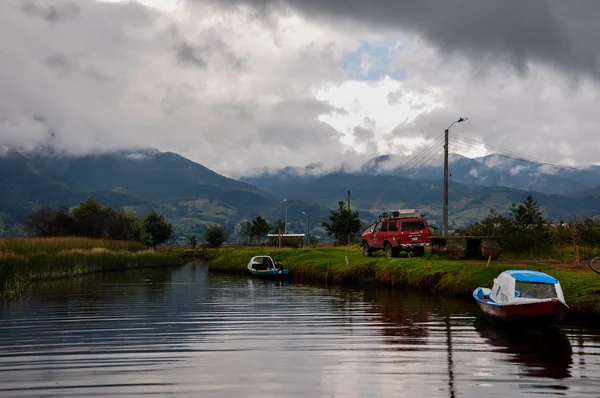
(538, 315)
(271, 273)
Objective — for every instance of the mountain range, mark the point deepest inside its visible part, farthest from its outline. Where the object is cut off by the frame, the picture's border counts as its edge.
(193, 196)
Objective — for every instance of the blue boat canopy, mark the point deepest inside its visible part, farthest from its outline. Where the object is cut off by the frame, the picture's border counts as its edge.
(531, 276)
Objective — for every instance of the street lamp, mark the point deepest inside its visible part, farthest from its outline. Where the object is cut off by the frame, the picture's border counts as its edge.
(445, 221)
(307, 229)
(285, 225)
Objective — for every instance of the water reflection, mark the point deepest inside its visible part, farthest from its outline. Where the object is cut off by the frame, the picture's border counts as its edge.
(186, 332)
(547, 355)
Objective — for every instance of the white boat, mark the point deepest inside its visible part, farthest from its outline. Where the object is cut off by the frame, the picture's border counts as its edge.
(266, 267)
(524, 297)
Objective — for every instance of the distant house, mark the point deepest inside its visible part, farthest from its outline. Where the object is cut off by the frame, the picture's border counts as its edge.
(286, 239)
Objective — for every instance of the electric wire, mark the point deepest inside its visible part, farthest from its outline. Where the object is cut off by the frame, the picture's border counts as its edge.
(518, 156)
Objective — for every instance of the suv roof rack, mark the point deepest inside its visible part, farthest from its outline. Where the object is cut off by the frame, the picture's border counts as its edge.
(406, 213)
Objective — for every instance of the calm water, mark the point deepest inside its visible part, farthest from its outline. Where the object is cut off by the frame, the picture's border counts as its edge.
(184, 332)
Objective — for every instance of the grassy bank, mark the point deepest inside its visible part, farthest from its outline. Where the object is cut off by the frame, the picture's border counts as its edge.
(26, 259)
(581, 287)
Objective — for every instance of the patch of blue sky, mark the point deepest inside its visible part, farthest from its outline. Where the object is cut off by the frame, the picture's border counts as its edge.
(372, 61)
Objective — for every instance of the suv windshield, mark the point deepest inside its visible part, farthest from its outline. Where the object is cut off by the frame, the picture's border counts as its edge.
(412, 226)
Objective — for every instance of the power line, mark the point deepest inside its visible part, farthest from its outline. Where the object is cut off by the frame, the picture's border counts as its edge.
(414, 161)
(402, 169)
(518, 156)
(410, 173)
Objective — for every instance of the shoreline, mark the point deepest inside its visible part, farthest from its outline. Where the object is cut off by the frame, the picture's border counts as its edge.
(430, 273)
(51, 258)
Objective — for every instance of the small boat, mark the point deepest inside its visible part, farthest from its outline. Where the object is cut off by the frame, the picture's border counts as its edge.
(266, 267)
(529, 298)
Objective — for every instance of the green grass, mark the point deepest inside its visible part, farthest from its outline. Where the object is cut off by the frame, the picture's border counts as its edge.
(581, 287)
(26, 259)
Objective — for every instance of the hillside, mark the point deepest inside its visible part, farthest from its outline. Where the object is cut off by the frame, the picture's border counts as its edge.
(487, 171)
(188, 193)
(193, 196)
(379, 192)
(591, 192)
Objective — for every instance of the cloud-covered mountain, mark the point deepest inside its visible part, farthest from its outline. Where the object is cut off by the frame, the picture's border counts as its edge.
(192, 195)
(187, 192)
(476, 185)
(492, 170)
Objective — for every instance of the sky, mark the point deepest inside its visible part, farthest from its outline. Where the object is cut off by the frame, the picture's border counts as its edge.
(247, 85)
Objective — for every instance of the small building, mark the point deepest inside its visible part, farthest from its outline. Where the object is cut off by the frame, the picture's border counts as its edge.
(287, 240)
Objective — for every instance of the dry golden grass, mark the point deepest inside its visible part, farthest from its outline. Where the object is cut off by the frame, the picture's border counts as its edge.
(26, 259)
(56, 244)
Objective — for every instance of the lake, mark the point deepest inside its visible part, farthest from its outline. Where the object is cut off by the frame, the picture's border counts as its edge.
(186, 332)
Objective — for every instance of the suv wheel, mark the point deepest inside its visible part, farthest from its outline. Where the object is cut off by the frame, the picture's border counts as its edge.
(388, 250)
(367, 252)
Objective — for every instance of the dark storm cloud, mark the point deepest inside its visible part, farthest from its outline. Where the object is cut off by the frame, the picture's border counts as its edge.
(59, 63)
(187, 54)
(306, 131)
(212, 48)
(561, 33)
(49, 12)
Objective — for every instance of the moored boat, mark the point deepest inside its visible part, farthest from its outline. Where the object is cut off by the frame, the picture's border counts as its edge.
(531, 298)
(265, 266)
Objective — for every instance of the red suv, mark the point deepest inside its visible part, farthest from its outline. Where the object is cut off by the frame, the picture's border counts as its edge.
(396, 231)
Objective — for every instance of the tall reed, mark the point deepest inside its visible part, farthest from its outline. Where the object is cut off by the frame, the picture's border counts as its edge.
(56, 244)
(25, 259)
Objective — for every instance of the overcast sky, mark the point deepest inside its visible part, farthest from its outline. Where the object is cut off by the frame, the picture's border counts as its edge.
(238, 85)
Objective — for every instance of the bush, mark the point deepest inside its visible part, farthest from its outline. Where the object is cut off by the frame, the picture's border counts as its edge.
(523, 230)
(91, 219)
(214, 236)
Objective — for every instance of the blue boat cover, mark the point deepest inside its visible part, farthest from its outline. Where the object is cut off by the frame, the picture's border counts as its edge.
(531, 276)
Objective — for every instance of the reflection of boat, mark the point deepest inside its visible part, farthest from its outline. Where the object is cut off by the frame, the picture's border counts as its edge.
(525, 297)
(543, 354)
(265, 266)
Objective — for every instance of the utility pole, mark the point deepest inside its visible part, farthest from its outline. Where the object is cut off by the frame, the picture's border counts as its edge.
(307, 231)
(445, 221)
(348, 200)
(285, 225)
(349, 217)
(307, 228)
(446, 174)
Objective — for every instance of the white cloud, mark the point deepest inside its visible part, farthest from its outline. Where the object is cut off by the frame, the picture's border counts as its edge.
(379, 106)
(235, 91)
(517, 169)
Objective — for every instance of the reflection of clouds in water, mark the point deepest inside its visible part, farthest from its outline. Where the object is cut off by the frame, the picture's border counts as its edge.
(186, 331)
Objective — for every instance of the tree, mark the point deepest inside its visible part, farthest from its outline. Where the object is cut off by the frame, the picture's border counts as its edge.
(48, 221)
(342, 222)
(192, 241)
(527, 214)
(214, 236)
(90, 218)
(260, 227)
(493, 224)
(158, 229)
(522, 230)
(278, 227)
(246, 231)
(529, 231)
